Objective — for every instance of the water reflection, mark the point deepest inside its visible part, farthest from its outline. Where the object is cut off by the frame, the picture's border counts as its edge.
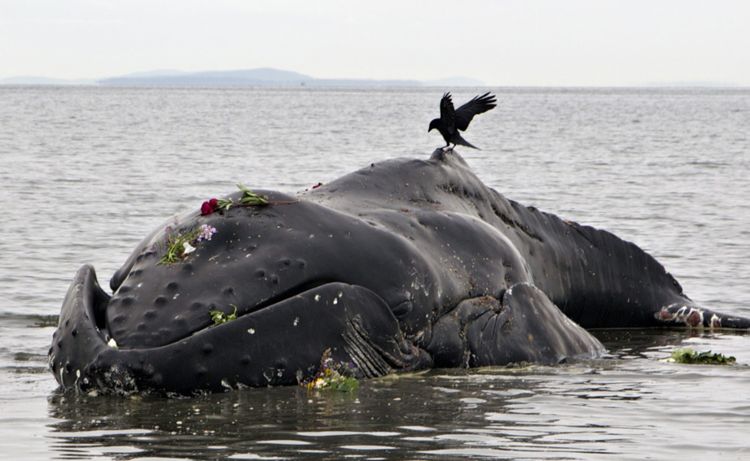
(532, 412)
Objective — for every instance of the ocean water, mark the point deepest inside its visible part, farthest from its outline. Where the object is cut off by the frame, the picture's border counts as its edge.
(85, 173)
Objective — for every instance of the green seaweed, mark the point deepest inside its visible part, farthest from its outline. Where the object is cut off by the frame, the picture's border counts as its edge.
(690, 356)
(332, 380)
(332, 376)
(219, 317)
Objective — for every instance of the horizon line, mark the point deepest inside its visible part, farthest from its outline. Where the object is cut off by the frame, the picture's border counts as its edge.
(422, 84)
(142, 78)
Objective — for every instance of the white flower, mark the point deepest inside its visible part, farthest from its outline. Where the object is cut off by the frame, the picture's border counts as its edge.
(188, 248)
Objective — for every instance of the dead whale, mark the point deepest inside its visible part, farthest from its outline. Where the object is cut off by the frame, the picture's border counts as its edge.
(405, 264)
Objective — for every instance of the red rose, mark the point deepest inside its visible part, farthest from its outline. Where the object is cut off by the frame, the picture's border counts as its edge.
(209, 206)
(206, 208)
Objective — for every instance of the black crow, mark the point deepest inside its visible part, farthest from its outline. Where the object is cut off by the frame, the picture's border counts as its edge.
(452, 120)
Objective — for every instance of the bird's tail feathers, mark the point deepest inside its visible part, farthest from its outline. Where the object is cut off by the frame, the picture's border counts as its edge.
(457, 139)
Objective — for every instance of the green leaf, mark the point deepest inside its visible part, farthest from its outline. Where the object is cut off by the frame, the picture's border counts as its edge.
(176, 246)
(219, 317)
(225, 204)
(250, 198)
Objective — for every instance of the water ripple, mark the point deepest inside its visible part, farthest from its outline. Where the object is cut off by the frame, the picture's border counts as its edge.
(87, 172)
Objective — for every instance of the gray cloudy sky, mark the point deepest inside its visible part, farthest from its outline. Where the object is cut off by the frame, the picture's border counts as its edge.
(553, 42)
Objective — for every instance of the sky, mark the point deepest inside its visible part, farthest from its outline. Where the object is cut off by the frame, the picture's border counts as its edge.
(501, 42)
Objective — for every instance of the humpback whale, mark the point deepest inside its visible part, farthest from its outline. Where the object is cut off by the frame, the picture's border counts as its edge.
(405, 264)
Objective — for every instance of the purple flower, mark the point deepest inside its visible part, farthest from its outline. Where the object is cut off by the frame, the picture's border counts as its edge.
(206, 232)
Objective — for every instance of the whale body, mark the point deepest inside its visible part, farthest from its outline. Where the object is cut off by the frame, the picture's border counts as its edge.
(405, 264)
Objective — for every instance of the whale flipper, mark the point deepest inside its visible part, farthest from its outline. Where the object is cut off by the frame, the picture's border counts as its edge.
(351, 322)
(687, 314)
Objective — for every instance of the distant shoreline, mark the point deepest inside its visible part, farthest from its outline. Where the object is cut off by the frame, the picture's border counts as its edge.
(266, 77)
(258, 77)
(362, 87)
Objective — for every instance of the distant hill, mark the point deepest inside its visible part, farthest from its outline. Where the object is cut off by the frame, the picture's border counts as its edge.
(334, 82)
(241, 77)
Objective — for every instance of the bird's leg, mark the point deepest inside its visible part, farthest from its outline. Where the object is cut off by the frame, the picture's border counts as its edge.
(447, 148)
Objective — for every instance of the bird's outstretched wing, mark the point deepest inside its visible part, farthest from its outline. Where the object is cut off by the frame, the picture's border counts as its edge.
(465, 113)
(447, 112)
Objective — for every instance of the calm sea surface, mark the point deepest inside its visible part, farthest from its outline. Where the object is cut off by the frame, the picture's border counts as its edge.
(85, 173)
